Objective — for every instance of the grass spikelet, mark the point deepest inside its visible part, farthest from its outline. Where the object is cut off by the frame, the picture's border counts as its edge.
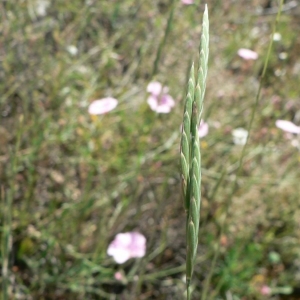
(185, 148)
(190, 151)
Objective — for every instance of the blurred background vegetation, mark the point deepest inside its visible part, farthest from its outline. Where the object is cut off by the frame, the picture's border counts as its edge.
(70, 182)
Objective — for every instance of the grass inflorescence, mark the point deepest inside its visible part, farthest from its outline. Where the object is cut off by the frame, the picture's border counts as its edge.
(190, 151)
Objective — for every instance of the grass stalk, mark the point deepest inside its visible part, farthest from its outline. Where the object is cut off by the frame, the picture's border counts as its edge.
(7, 198)
(164, 40)
(5, 243)
(190, 155)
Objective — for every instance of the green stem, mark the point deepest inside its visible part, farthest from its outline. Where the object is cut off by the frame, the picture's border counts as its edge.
(188, 290)
(7, 198)
(163, 41)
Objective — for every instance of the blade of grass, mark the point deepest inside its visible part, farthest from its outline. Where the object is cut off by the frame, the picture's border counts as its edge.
(163, 41)
(7, 197)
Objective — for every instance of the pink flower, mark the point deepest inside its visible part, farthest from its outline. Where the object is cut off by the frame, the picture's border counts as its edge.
(118, 276)
(159, 100)
(203, 129)
(265, 290)
(187, 2)
(102, 106)
(127, 245)
(247, 54)
(288, 126)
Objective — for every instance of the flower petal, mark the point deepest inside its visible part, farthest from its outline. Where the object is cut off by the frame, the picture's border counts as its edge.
(265, 290)
(154, 88)
(102, 106)
(119, 255)
(153, 103)
(119, 276)
(187, 2)
(163, 109)
(138, 245)
(247, 54)
(240, 136)
(164, 104)
(127, 245)
(203, 129)
(167, 100)
(288, 126)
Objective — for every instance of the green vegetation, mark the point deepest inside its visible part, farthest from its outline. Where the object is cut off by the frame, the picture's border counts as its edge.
(190, 153)
(71, 181)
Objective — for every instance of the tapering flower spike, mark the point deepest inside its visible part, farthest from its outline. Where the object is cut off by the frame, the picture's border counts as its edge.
(190, 155)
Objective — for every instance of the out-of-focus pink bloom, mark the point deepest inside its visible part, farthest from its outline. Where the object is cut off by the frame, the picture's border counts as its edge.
(288, 126)
(203, 129)
(102, 106)
(159, 100)
(118, 276)
(265, 290)
(127, 245)
(247, 54)
(187, 2)
(154, 87)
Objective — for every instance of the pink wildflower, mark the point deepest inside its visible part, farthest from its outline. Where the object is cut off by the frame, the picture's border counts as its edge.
(265, 290)
(187, 2)
(127, 245)
(118, 276)
(288, 126)
(247, 54)
(159, 100)
(102, 106)
(203, 129)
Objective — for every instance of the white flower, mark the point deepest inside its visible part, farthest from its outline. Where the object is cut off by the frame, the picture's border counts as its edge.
(240, 136)
(72, 50)
(41, 7)
(276, 37)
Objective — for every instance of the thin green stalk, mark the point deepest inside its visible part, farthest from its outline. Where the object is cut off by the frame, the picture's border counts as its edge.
(163, 41)
(7, 197)
(189, 292)
(5, 243)
(243, 153)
